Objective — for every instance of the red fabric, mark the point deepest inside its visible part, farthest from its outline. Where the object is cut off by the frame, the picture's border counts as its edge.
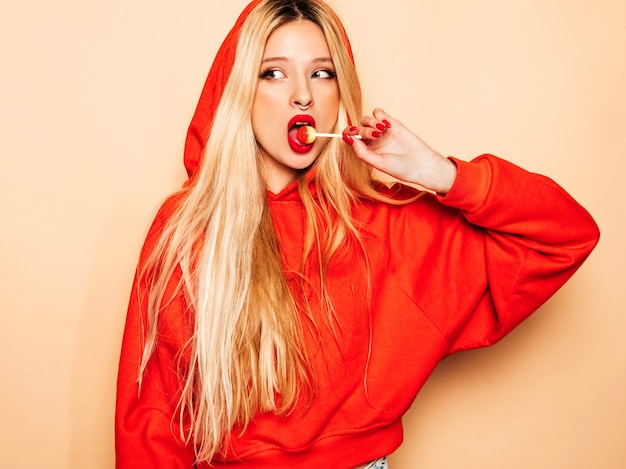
(448, 274)
(200, 126)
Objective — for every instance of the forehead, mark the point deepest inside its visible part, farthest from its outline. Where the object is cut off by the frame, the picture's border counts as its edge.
(297, 39)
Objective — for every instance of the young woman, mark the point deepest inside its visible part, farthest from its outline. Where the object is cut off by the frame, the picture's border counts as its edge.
(287, 306)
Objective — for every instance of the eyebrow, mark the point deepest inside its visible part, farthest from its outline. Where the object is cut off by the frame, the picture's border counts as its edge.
(286, 59)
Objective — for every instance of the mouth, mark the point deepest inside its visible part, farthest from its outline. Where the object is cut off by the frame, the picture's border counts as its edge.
(292, 133)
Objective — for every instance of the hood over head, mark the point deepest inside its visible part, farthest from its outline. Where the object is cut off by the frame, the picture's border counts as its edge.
(201, 123)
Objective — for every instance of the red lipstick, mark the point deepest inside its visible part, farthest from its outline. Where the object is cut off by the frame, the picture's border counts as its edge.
(292, 132)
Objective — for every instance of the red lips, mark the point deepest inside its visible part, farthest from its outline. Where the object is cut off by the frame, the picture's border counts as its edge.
(292, 132)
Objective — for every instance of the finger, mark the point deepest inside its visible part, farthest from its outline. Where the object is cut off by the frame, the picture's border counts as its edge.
(382, 117)
(371, 122)
(348, 134)
(367, 134)
(362, 152)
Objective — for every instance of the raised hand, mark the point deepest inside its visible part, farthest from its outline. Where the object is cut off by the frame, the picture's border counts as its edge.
(392, 148)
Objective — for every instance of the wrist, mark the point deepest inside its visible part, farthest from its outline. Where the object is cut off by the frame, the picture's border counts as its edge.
(441, 175)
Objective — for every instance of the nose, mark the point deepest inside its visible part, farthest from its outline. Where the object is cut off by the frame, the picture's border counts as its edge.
(302, 96)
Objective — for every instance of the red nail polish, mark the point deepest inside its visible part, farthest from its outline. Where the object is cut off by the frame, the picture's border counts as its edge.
(347, 139)
(381, 127)
(387, 123)
(353, 129)
(376, 134)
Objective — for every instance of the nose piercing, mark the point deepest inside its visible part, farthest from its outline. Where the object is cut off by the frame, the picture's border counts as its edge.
(303, 108)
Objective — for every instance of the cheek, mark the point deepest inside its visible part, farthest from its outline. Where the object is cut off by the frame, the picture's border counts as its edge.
(329, 99)
(262, 112)
(331, 109)
(263, 126)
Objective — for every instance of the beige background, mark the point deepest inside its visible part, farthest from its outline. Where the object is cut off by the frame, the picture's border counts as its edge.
(95, 99)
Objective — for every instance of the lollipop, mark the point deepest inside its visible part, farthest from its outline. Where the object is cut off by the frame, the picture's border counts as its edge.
(307, 135)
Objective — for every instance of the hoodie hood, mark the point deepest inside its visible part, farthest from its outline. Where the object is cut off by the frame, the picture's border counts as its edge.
(200, 128)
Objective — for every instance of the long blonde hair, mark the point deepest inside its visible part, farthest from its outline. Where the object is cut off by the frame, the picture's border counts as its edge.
(246, 348)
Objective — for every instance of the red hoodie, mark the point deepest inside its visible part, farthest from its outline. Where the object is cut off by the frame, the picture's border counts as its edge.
(446, 274)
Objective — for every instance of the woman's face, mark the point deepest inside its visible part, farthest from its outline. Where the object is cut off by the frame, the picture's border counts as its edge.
(297, 71)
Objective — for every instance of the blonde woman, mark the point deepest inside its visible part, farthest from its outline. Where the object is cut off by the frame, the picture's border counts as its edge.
(287, 306)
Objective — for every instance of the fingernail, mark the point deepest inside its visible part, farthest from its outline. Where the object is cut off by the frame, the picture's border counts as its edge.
(353, 129)
(376, 134)
(347, 139)
(386, 122)
(381, 127)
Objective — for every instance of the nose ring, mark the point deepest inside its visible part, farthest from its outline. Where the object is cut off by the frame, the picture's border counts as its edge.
(303, 108)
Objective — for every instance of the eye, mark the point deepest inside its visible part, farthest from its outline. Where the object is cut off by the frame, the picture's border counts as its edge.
(325, 74)
(272, 74)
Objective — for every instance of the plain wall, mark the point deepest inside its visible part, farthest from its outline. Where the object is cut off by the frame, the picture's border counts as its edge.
(95, 99)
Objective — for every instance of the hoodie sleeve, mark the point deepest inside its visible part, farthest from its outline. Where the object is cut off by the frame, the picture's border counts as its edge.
(505, 241)
(147, 433)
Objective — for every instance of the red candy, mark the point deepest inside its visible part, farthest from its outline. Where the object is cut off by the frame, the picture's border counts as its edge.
(306, 134)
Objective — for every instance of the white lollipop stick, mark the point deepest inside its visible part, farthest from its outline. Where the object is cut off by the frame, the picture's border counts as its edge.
(307, 134)
(322, 134)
